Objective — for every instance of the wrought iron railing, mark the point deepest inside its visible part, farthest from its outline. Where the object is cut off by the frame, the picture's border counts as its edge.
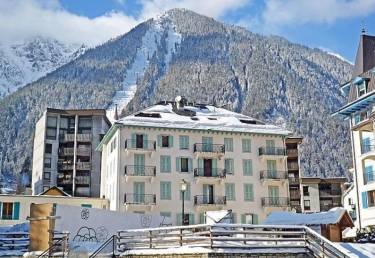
(293, 180)
(142, 199)
(273, 174)
(213, 172)
(274, 151)
(275, 202)
(133, 144)
(212, 148)
(83, 165)
(210, 200)
(135, 170)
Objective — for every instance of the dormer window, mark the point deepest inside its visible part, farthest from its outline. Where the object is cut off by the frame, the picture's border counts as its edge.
(362, 89)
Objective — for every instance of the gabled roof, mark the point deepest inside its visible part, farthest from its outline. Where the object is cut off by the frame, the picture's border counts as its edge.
(333, 216)
(365, 58)
(55, 191)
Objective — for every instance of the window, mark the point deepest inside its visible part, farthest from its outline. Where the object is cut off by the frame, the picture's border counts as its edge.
(48, 148)
(165, 190)
(165, 141)
(51, 121)
(230, 191)
(10, 210)
(228, 143)
(184, 164)
(249, 218)
(229, 166)
(371, 198)
(47, 176)
(306, 204)
(51, 133)
(350, 201)
(306, 190)
(246, 145)
(47, 162)
(247, 167)
(362, 89)
(248, 192)
(187, 192)
(86, 205)
(51, 127)
(184, 142)
(165, 164)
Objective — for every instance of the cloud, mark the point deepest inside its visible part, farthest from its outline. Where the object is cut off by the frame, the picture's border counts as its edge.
(277, 14)
(21, 19)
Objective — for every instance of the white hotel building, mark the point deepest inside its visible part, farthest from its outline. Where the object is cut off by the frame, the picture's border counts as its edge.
(229, 161)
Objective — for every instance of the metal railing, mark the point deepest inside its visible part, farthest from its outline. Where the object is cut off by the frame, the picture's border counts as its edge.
(65, 166)
(83, 165)
(84, 137)
(293, 180)
(274, 151)
(209, 200)
(275, 201)
(294, 194)
(213, 172)
(293, 166)
(212, 148)
(64, 181)
(273, 174)
(85, 180)
(278, 238)
(327, 193)
(135, 170)
(15, 241)
(110, 242)
(142, 199)
(59, 246)
(133, 144)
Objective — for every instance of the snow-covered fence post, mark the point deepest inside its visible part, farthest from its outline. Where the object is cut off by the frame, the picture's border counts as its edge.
(211, 240)
(180, 236)
(150, 237)
(244, 236)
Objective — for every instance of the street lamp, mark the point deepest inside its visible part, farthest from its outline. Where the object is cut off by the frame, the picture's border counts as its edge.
(183, 190)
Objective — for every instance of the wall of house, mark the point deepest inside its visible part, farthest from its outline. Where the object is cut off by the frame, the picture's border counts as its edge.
(173, 205)
(313, 197)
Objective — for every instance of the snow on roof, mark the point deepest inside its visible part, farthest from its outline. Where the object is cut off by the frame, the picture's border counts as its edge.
(199, 117)
(332, 216)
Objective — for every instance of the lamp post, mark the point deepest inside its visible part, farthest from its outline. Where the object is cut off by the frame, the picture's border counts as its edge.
(183, 190)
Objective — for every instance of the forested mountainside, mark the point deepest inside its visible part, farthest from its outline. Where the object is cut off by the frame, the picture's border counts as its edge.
(184, 53)
(27, 61)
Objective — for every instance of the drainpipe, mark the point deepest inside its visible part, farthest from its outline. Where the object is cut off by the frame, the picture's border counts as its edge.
(75, 155)
(355, 173)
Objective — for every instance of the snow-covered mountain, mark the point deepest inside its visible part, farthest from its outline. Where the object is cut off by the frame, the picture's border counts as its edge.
(184, 53)
(27, 61)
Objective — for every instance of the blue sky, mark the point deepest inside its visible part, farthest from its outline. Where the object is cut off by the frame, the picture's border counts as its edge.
(333, 25)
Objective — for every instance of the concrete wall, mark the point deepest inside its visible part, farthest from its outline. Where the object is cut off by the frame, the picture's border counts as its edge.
(313, 197)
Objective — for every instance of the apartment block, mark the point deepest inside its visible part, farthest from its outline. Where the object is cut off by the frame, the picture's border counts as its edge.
(227, 161)
(292, 150)
(359, 110)
(64, 151)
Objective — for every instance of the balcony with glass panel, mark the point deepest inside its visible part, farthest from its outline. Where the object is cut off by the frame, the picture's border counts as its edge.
(204, 200)
(273, 175)
(209, 150)
(139, 171)
(139, 199)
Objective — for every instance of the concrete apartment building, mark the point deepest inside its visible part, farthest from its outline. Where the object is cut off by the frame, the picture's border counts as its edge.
(64, 151)
(360, 92)
(228, 161)
(292, 144)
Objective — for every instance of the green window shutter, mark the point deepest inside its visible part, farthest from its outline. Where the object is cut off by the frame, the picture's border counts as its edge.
(228, 143)
(170, 141)
(255, 219)
(247, 167)
(243, 218)
(178, 164)
(165, 190)
(86, 205)
(145, 140)
(230, 191)
(184, 142)
(246, 145)
(16, 211)
(133, 140)
(214, 167)
(200, 163)
(202, 218)
(364, 200)
(229, 166)
(248, 192)
(159, 140)
(191, 219)
(165, 164)
(190, 164)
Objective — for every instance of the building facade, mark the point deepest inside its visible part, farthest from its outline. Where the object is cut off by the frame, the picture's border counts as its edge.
(321, 194)
(228, 161)
(292, 150)
(360, 92)
(64, 151)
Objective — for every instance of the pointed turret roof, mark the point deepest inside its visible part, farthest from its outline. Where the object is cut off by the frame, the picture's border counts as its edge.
(365, 58)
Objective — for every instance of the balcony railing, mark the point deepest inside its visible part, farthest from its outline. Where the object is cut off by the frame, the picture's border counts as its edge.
(273, 175)
(275, 202)
(213, 172)
(70, 151)
(133, 144)
(292, 152)
(141, 199)
(210, 148)
(84, 137)
(209, 200)
(67, 137)
(83, 165)
(83, 180)
(293, 180)
(274, 151)
(65, 166)
(295, 194)
(64, 181)
(293, 166)
(327, 193)
(135, 170)
(81, 137)
(83, 151)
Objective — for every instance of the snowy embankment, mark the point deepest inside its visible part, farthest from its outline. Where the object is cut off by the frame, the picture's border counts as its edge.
(14, 240)
(359, 250)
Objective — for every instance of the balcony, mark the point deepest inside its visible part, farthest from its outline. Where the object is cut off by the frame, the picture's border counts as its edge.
(134, 170)
(65, 166)
(209, 200)
(273, 175)
(330, 193)
(83, 166)
(70, 137)
(275, 202)
(84, 137)
(64, 181)
(82, 180)
(272, 151)
(292, 153)
(139, 199)
(293, 180)
(67, 137)
(70, 151)
(133, 144)
(210, 173)
(210, 149)
(83, 151)
(293, 166)
(295, 194)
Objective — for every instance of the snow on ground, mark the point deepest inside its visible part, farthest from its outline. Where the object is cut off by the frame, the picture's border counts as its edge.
(359, 250)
